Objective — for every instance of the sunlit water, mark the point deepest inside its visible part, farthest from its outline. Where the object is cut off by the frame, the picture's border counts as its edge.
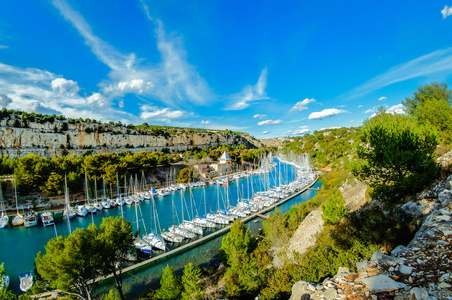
(19, 245)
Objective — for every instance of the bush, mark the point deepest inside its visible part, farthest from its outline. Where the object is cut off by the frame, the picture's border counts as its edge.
(334, 209)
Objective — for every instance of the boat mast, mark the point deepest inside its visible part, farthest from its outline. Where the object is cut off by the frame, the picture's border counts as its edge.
(66, 197)
(117, 193)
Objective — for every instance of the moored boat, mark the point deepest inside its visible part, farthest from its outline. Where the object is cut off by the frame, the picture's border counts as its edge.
(4, 282)
(47, 218)
(26, 281)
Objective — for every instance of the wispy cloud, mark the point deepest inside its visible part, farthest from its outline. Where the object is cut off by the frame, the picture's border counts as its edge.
(266, 132)
(395, 109)
(250, 94)
(437, 62)
(382, 99)
(5, 100)
(446, 11)
(301, 105)
(149, 112)
(205, 122)
(329, 112)
(270, 122)
(173, 81)
(371, 110)
(4, 47)
(258, 116)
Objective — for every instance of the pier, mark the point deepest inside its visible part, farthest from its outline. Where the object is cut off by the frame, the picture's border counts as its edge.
(136, 267)
(314, 189)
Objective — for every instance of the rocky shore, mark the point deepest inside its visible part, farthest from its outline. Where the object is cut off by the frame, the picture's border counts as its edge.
(420, 270)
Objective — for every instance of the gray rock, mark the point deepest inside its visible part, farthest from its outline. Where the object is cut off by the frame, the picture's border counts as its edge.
(418, 294)
(397, 250)
(362, 265)
(383, 258)
(300, 288)
(382, 283)
(344, 271)
(442, 218)
(405, 269)
(329, 294)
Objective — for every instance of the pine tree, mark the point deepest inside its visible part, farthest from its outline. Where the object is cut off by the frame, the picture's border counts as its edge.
(169, 285)
(192, 291)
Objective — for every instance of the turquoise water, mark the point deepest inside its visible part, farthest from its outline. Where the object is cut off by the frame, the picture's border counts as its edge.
(20, 245)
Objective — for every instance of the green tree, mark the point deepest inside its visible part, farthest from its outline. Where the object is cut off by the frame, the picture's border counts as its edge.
(398, 156)
(192, 291)
(170, 287)
(53, 186)
(115, 240)
(72, 263)
(334, 209)
(431, 104)
(185, 175)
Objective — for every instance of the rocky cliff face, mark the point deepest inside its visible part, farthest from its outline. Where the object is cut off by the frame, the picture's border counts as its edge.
(49, 139)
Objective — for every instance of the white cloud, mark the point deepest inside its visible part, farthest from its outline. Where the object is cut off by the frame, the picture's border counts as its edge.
(329, 112)
(5, 100)
(351, 121)
(437, 63)
(359, 106)
(131, 86)
(270, 122)
(396, 109)
(300, 131)
(250, 94)
(258, 116)
(205, 122)
(62, 85)
(4, 47)
(382, 99)
(265, 132)
(370, 111)
(446, 11)
(301, 105)
(303, 126)
(154, 113)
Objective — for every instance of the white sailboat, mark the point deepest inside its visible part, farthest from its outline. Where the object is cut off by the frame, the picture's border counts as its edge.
(4, 219)
(153, 238)
(18, 219)
(96, 204)
(31, 218)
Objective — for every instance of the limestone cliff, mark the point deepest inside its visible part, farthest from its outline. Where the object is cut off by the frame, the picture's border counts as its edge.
(52, 138)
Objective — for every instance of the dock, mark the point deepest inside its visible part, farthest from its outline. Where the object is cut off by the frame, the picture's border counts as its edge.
(314, 189)
(135, 268)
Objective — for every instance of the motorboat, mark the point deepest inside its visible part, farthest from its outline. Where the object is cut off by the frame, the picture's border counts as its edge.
(69, 212)
(31, 219)
(47, 218)
(4, 220)
(26, 281)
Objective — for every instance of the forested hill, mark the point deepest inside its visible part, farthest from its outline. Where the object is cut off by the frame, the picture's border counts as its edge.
(22, 133)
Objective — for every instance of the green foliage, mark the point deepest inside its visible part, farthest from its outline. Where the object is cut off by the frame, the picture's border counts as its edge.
(53, 186)
(74, 263)
(2, 270)
(236, 244)
(185, 175)
(431, 105)
(192, 291)
(399, 157)
(8, 295)
(112, 295)
(334, 209)
(170, 287)
(280, 282)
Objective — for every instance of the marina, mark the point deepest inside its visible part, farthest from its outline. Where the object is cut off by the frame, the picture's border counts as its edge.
(199, 201)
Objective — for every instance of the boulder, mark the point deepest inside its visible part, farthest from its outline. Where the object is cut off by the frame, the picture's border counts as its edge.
(382, 283)
(418, 293)
(397, 250)
(300, 288)
(405, 270)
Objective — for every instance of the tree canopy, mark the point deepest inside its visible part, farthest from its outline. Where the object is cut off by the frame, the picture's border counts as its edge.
(398, 156)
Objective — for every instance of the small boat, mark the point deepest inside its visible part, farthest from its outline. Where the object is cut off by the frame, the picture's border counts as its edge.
(81, 210)
(18, 219)
(31, 219)
(4, 282)
(47, 218)
(26, 281)
(106, 204)
(69, 213)
(4, 219)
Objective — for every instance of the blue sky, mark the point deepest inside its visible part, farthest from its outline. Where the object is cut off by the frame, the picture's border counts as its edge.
(269, 68)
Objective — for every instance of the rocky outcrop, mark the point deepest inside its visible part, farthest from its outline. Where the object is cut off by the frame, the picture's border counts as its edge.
(420, 270)
(50, 139)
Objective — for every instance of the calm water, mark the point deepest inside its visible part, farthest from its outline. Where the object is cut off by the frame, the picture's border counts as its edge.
(19, 245)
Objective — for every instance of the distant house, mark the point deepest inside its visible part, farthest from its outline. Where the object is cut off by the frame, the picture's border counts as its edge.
(204, 165)
(326, 170)
(224, 164)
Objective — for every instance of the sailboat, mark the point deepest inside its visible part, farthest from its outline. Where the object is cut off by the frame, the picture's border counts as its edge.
(18, 219)
(96, 204)
(4, 219)
(91, 209)
(171, 236)
(153, 238)
(69, 212)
